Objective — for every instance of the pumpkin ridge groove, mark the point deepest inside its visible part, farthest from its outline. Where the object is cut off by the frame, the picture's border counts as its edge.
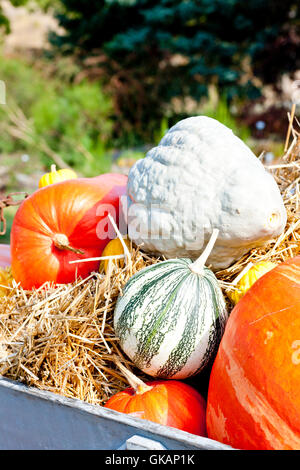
(48, 231)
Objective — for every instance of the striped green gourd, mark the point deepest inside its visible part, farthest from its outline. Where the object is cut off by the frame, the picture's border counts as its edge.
(171, 316)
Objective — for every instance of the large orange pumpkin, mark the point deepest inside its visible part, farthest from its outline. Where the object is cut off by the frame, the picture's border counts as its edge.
(254, 390)
(64, 222)
(5, 258)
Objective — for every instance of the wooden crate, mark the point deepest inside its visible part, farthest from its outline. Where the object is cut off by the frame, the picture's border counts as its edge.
(34, 419)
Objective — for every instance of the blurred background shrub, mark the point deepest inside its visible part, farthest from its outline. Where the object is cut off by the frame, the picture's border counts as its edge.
(109, 77)
(60, 120)
(154, 52)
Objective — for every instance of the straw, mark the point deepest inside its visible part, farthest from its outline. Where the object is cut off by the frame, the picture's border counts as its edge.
(62, 339)
(291, 118)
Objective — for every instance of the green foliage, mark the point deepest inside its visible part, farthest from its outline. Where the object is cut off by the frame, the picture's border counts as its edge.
(221, 111)
(23, 86)
(4, 23)
(161, 50)
(74, 120)
(48, 116)
(23, 83)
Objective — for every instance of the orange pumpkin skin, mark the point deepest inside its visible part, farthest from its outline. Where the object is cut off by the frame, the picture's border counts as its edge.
(75, 209)
(169, 402)
(254, 390)
(5, 258)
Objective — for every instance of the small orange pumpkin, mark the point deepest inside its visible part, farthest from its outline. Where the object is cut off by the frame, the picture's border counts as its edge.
(169, 402)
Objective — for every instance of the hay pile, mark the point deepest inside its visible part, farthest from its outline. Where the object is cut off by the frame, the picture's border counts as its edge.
(62, 340)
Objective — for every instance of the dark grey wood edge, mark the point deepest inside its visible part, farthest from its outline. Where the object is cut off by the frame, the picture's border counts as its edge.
(142, 425)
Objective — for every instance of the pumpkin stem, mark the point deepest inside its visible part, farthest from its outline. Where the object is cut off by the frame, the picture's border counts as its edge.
(61, 242)
(53, 168)
(137, 384)
(198, 266)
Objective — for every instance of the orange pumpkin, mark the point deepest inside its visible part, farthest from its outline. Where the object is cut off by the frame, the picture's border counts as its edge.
(254, 394)
(64, 222)
(5, 258)
(169, 402)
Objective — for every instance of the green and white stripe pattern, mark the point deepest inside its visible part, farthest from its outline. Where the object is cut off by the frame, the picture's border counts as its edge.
(170, 320)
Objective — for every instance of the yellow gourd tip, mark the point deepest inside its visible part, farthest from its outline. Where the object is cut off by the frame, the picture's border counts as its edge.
(5, 280)
(249, 278)
(113, 248)
(56, 176)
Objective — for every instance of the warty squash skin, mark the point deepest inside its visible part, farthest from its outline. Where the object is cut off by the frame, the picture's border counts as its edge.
(201, 176)
(58, 224)
(254, 394)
